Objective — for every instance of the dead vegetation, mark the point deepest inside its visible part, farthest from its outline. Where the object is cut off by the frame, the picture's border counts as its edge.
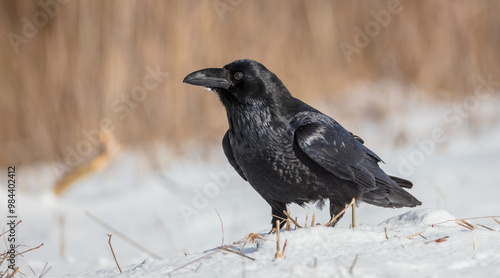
(82, 65)
(4, 259)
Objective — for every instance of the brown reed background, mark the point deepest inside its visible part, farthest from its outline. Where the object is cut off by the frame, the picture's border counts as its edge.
(65, 78)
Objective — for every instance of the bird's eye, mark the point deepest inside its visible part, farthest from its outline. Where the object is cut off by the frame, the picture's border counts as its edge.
(238, 75)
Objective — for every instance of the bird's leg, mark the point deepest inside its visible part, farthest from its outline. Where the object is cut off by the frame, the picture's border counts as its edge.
(336, 208)
(278, 215)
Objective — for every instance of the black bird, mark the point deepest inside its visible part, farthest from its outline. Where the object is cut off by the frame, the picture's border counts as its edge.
(290, 152)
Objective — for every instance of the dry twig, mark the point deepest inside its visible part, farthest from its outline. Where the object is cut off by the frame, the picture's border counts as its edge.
(470, 218)
(9, 229)
(353, 264)
(14, 273)
(465, 224)
(234, 252)
(253, 236)
(198, 267)
(484, 227)
(124, 237)
(113, 252)
(62, 242)
(414, 235)
(340, 213)
(222, 226)
(45, 270)
(284, 248)
(291, 219)
(191, 262)
(385, 231)
(278, 254)
(354, 214)
(29, 250)
(32, 270)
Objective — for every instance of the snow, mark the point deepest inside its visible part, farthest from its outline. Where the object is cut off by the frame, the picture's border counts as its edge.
(168, 208)
(323, 252)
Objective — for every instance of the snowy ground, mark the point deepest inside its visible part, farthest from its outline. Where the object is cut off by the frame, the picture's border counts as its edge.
(168, 208)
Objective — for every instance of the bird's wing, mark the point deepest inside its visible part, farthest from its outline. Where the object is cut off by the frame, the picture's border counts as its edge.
(335, 149)
(230, 157)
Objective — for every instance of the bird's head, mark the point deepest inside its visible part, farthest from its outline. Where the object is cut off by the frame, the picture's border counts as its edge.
(241, 83)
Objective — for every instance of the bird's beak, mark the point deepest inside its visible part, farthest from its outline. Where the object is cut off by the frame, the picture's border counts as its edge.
(211, 78)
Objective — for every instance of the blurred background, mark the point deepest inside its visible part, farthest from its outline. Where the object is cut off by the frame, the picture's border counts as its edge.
(98, 122)
(81, 64)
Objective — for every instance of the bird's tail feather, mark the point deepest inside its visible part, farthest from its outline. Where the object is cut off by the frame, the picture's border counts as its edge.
(402, 182)
(389, 193)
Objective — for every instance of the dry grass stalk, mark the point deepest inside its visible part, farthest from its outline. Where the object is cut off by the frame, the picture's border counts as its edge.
(113, 252)
(353, 264)
(284, 248)
(29, 250)
(222, 226)
(305, 224)
(14, 273)
(414, 235)
(288, 225)
(385, 231)
(354, 214)
(340, 213)
(198, 267)
(45, 270)
(32, 270)
(279, 217)
(110, 148)
(52, 63)
(62, 244)
(124, 237)
(484, 227)
(278, 251)
(234, 252)
(475, 243)
(9, 229)
(252, 237)
(193, 261)
(313, 220)
(168, 234)
(465, 224)
(291, 219)
(470, 218)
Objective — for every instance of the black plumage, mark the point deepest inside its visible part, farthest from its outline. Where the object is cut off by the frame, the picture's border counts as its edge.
(290, 152)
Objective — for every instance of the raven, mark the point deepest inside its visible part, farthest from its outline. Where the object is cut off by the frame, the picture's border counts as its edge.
(290, 152)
